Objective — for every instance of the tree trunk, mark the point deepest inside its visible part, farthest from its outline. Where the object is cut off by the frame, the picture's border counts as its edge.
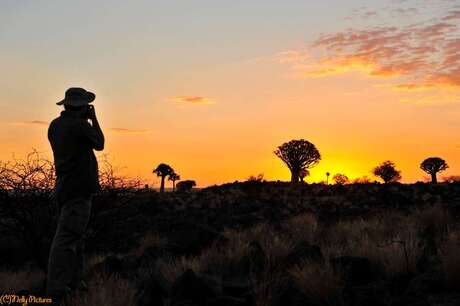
(434, 180)
(174, 186)
(162, 186)
(294, 176)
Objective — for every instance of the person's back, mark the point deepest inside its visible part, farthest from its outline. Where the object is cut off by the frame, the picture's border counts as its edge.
(73, 140)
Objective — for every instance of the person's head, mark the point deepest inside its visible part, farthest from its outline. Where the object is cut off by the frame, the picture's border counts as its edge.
(77, 100)
(82, 109)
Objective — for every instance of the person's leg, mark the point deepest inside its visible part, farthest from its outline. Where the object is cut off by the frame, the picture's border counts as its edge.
(80, 251)
(63, 258)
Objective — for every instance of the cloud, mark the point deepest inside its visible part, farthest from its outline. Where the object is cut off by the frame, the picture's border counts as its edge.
(416, 57)
(453, 15)
(404, 12)
(291, 56)
(116, 130)
(31, 123)
(192, 100)
(362, 13)
(37, 122)
(125, 131)
(431, 99)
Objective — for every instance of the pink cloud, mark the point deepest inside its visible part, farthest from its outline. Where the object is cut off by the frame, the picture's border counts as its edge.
(453, 15)
(424, 56)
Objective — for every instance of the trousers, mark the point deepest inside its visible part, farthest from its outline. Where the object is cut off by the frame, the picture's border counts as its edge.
(66, 260)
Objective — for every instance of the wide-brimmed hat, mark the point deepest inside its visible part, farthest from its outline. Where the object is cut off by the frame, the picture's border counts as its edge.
(76, 96)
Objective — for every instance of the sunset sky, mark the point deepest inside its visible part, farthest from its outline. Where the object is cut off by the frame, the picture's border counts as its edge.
(213, 87)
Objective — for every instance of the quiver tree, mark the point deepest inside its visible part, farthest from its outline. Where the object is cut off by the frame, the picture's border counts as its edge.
(432, 166)
(340, 179)
(163, 170)
(387, 172)
(327, 177)
(173, 177)
(298, 155)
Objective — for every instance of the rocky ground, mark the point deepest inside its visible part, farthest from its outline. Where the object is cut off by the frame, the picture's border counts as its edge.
(253, 243)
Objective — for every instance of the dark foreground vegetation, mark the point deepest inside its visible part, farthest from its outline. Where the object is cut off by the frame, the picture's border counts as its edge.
(251, 243)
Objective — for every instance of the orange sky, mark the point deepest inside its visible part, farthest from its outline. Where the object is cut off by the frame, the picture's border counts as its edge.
(216, 106)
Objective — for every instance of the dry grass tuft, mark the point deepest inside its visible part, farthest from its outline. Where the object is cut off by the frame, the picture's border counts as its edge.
(102, 290)
(318, 282)
(11, 282)
(449, 257)
(436, 217)
(303, 228)
(268, 286)
(151, 239)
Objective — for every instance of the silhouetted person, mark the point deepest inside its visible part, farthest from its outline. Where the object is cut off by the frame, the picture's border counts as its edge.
(73, 140)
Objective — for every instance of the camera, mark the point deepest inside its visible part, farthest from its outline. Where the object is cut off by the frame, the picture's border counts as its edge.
(89, 109)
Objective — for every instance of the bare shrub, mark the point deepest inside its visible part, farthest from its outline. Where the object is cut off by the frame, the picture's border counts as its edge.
(110, 177)
(33, 173)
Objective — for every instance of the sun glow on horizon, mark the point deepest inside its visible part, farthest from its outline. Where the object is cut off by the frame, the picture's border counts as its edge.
(364, 84)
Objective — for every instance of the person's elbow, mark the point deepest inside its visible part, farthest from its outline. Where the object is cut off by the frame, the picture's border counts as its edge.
(99, 146)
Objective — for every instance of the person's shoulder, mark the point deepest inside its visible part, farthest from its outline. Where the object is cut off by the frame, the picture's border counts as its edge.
(54, 122)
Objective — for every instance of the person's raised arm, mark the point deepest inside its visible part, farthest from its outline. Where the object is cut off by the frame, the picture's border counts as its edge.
(94, 132)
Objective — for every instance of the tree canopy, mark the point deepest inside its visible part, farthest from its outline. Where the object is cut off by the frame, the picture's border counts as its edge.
(432, 166)
(387, 172)
(298, 155)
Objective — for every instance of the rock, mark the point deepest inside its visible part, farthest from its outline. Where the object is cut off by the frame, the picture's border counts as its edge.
(129, 263)
(123, 266)
(189, 289)
(408, 301)
(427, 283)
(291, 295)
(226, 301)
(303, 251)
(238, 287)
(13, 252)
(374, 294)
(110, 265)
(445, 300)
(429, 260)
(398, 284)
(257, 258)
(151, 293)
(190, 238)
(150, 256)
(355, 270)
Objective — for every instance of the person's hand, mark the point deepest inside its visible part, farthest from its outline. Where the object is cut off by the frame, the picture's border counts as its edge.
(91, 112)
